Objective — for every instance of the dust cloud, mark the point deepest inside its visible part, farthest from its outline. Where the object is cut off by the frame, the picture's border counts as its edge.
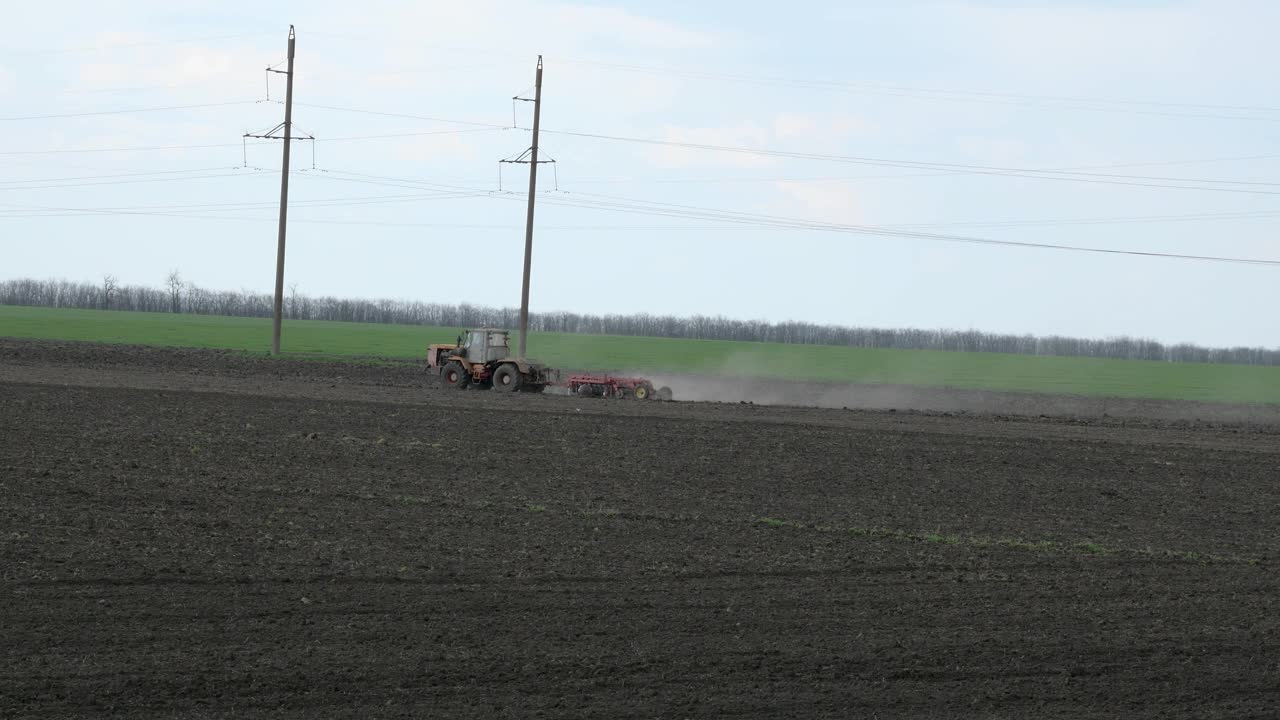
(743, 379)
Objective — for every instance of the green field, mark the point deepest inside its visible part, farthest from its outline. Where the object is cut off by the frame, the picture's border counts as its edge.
(991, 371)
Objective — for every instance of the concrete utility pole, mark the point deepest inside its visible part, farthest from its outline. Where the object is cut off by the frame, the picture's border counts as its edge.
(528, 228)
(284, 202)
(287, 126)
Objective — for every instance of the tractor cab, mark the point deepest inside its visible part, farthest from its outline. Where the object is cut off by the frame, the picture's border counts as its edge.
(482, 346)
(485, 345)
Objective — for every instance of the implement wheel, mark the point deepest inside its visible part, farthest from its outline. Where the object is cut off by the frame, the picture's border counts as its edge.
(507, 378)
(642, 392)
(453, 375)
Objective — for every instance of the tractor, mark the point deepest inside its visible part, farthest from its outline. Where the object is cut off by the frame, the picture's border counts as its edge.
(482, 358)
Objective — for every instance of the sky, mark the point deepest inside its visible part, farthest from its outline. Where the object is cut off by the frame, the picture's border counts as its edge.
(869, 144)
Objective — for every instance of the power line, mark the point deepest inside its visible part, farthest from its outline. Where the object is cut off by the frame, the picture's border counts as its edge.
(404, 115)
(1130, 219)
(128, 111)
(946, 168)
(956, 168)
(119, 175)
(643, 207)
(409, 183)
(675, 210)
(1000, 98)
(898, 176)
(1155, 163)
(123, 46)
(330, 174)
(741, 179)
(408, 134)
(943, 169)
(1115, 220)
(240, 173)
(145, 148)
(1051, 102)
(155, 148)
(378, 223)
(889, 162)
(173, 209)
(390, 181)
(135, 88)
(25, 210)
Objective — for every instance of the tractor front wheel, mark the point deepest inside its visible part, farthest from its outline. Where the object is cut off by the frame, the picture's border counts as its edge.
(507, 378)
(453, 375)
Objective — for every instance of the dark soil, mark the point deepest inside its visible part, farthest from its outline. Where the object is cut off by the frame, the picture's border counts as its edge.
(207, 369)
(203, 534)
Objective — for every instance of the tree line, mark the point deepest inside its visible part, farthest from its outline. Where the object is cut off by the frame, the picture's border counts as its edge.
(178, 296)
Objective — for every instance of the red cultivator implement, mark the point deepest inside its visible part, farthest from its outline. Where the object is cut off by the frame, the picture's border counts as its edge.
(616, 387)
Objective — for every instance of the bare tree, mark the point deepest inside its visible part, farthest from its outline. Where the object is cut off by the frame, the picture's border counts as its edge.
(174, 281)
(109, 287)
(185, 297)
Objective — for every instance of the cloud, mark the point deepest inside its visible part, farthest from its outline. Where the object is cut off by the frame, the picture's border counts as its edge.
(820, 202)
(1199, 49)
(1079, 37)
(742, 135)
(792, 125)
(438, 148)
(505, 28)
(820, 132)
(824, 128)
(616, 26)
(488, 43)
(1008, 152)
(184, 70)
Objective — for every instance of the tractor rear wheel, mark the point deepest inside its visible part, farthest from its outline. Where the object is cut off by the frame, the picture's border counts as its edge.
(453, 375)
(507, 378)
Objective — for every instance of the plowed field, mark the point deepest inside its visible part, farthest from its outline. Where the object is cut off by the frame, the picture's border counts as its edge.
(202, 534)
